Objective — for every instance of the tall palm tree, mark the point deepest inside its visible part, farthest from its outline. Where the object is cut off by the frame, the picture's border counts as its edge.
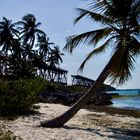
(56, 54)
(53, 61)
(44, 49)
(44, 45)
(29, 29)
(54, 58)
(120, 31)
(8, 42)
(8, 32)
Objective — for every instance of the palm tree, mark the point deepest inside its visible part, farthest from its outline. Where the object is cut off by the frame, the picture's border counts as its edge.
(7, 35)
(8, 42)
(43, 51)
(44, 45)
(54, 59)
(120, 30)
(29, 29)
(56, 55)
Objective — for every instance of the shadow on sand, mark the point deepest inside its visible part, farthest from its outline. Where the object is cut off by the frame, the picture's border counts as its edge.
(124, 134)
(111, 133)
(91, 130)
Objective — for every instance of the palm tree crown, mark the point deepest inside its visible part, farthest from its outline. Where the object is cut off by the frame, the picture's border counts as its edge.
(120, 20)
(54, 57)
(44, 45)
(29, 29)
(7, 35)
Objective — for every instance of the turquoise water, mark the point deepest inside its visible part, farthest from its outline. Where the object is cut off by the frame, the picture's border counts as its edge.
(126, 91)
(131, 101)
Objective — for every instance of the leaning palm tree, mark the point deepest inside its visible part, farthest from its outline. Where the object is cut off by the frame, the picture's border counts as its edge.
(120, 20)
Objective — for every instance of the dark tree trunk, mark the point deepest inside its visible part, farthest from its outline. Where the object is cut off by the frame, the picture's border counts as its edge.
(93, 91)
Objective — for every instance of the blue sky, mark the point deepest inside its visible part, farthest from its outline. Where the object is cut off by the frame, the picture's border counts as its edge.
(57, 18)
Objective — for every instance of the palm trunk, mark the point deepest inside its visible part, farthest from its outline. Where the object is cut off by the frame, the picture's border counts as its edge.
(93, 91)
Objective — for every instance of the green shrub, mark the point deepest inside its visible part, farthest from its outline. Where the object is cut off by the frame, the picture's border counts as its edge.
(18, 97)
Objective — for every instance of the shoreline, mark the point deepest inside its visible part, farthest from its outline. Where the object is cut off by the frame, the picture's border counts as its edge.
(127, 102)
(114, 110)
(86, 124)
(126, 108)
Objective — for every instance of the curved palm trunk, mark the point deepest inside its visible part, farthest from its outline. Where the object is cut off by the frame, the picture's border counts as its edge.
(66, 116)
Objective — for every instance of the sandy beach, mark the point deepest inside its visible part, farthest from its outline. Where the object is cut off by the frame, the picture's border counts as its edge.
(85, 125)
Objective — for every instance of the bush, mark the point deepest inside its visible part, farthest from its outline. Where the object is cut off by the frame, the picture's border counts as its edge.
(18, 97)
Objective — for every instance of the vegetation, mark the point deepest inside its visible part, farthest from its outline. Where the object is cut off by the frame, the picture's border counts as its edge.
(19, 96)
(25, 53)
(20, 56)
(119, 30)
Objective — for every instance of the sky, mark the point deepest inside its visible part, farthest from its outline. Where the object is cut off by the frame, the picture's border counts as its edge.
(57, 18)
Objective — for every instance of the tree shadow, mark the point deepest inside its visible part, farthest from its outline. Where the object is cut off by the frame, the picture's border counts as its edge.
(90, 130)
(124, 134)
(116, 133)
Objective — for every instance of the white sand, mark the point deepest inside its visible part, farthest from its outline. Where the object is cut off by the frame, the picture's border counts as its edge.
(85, 125)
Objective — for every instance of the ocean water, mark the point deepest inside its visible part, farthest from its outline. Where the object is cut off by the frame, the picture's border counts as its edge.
(126, 92)
(128, 103)
(130, 100)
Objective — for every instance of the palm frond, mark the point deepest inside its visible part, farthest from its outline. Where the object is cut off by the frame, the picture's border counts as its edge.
(96, 17)
(96, 51)
(134, 47)
(122, 64)
(100, 35)
(38, 24)
(99, 6)
(40, 32)
(90, 38)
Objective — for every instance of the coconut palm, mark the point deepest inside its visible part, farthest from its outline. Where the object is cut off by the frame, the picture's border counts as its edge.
(7, 35)
(56, 55)
(120, 20)
(53, 61)
(29, 29)
(54, 58)
(8, 42)
(43, 45)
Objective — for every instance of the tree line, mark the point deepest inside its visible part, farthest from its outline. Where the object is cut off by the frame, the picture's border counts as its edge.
(25, 49)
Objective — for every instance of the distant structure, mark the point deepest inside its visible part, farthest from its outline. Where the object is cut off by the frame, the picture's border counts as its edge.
(79, 80)
(57, 75)
(51, 73)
